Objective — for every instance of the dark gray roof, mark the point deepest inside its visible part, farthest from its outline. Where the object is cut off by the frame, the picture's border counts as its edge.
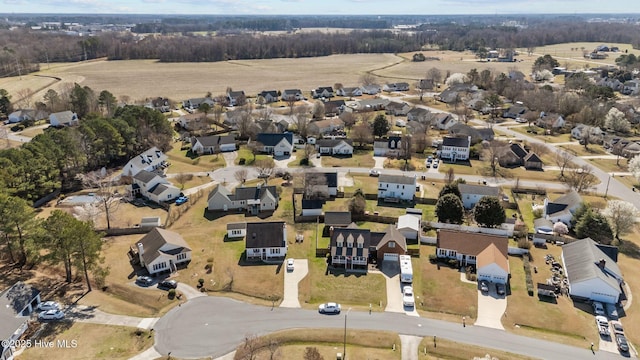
(253, 193)
(332, 177)
(532, 157)
(462, 141)
(569, 200)
(13, 304)
(273, 139)
(273, 93)
(611, 251)
(337, 218)
(156, 238)
(348, 233)
(397, 179)
(159, 189)
(518, 150)
(581, 260)
(483, 190)
(392, 234)
(333, 142)
(312, 204)
(236, 226)
(291, 92)
(265, 234)
(235, 94)
(145, 176)
(216, 140)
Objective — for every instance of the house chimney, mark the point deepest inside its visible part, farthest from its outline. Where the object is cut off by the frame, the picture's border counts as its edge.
(140, 253)
(330, 231)
(602, 263)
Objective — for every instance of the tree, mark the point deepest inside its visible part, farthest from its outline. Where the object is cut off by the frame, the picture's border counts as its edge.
(380, 126)
(634, 167)
(421, 142)
(564, 159)
(457, 78)
(106, 191)
(318, 110)
(488, 212)
(314, 186)
(435, 74)
(406, 146)
(367, 79)
(450, 177)
(301, 120)
(622, 216)
(449, 209)
(545, 62)
(52, 98)
(88, 246)
(358, 203)
(595, 226)
(494, 103)
(616, 121)
(107, 102)
(204, 108)
(265, 168)
(249, 349)
(493, 152)
(450, 188)
(241, 175)
(349, 119)
(560, 228)
(312, 353)
(244, 121)
(79, 98)
(5, 102)
(579, 213)
(18, 225)
(362, 134)
(580, 178)
(182, 178)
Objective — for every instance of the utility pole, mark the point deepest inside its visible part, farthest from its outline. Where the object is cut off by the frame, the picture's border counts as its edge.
(606, 192)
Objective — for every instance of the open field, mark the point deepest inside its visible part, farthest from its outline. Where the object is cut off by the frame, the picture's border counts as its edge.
(93, 342)
(451, 350)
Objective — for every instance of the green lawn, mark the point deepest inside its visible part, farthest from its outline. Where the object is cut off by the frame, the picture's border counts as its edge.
(245, 153)
(539, 134)
(183, 162)
(360, 158)
(579, 150)
(368, 184)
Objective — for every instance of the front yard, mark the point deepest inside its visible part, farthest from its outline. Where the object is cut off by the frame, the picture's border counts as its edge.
(579, 150)
(183, 162)
(360, 158)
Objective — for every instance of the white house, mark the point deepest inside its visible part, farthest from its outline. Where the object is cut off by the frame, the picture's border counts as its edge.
(471, 194)
(488, 252)
(193, 104)
(391, 146)
(235, 97)
(213, 144)
(162, 251)
(349, 91)
(254, 199)
(322, 92)
(292, 94)
(592, 274)
(64, 118)
(335, 146)
(455, 148)
(153, 187)
(276, 144)
(151, 160)
(372, 89)
(443, 121)
(17, 303)
(236, 230)
(562, 209)
(26, 114)
(266, 241)
(409, 225)
(396, 187)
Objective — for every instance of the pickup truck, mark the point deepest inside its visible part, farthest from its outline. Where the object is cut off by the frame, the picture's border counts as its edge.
(603, 325)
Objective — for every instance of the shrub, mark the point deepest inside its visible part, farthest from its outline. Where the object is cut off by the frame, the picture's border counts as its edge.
(523, 243)
(242, 161)
(472, 277)
(200, 282)
(304, 162)
(537, 213)
(209, 260)
(527, 273)
(172, 293)
(453, 263)
(433, 258)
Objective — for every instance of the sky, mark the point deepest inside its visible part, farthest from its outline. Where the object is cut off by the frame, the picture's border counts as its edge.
(320, 7)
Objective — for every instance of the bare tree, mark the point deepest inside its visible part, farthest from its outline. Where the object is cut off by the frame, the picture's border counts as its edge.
(367, 79)
(539, 149)
(291, 103)
(301, 120)
(107, 192)
(493, 152)
(265, 168)
(406, 147)
(24, 99)
(563, 160)
(309, 151)
(318, 110)
(450, 176)
(580, 178)
(312, 353)
(362, 134)
(249, 349)
(349, 119)
(421, 142)
(182, 178)
(241, 175)
(435, 74)
(314, 185)
(265, 113)
(274, 348)
(244, 121)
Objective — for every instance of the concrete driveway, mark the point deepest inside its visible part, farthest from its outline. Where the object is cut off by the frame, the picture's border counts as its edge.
(90, 314)
(230, 157)
(391, 273)
(379, 161)
(491, 307)
(282, 162)
(291, 280)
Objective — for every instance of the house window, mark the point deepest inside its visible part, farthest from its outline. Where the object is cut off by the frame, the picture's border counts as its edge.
(349, 244)
(471, 257)
(392, 244)
(442, 252)
(452, 253)
(256, 251)
(275, 251)
(339, 244)
(360, 245)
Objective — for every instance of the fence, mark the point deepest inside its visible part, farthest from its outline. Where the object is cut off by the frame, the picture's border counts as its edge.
(476, 229)
(321, 252)
(46, 199)
(125, 231)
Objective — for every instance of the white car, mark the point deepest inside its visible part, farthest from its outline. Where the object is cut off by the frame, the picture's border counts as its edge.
(51, 315)
(48, 305)
(329, 308)
(407, 296)
(290, 265)
(374, 172)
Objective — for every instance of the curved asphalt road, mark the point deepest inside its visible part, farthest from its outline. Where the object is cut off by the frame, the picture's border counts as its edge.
(214, 326)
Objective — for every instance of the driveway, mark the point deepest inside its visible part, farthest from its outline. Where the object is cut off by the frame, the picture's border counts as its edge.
(391, 273)
(291, 280)
(230, 157)
(90, 314)
(284, 161)
(491, 307)
(189, 292)
(379, 162)
(410, 346)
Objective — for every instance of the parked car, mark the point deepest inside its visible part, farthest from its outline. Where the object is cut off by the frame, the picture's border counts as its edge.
(290, 265)
(598, 309)
(617, 327)
(435, 164)
(603, 325)
(144, 280)
(168, 284)
(181, 200)
(484, 287)
(51, 315)
(263, 176)
(621, 340)
(48, 305)
(500, 289)
(407, 296)
(329, 308)
(374, 172)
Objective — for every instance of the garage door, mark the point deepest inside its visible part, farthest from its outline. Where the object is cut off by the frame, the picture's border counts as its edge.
(391, 256)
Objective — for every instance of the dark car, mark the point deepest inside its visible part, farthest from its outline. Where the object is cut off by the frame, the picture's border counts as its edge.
(144, 280)
(623, 346)
(168, 284)
(500, 289)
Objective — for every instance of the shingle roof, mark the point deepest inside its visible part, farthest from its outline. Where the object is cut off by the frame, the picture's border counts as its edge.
(392, 234)
(567, 201)
(219, 189)
(13, 302)
(542, 222)
(348, 235)
(312, 204)
(216, 140)
(236, 226)
(64, 117)
(337, 218)
(265, 234)
(581, 260)
(409, 221)
(147, 158)
(518, 150)
(264, 93)
(156, 238)
(253, 193)
(470, 243)
(456, 141)
(145, 176)
(492, 255)
(333, 142)
(483, 190)
(273, 139)
(532, 157)
(397, 179)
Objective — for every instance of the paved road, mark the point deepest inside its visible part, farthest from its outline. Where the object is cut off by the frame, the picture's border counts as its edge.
(213, 326)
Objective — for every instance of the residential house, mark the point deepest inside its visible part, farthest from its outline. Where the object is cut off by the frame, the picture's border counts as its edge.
(349, 248)
(396, 187)
(631, 150)
(253, 200)
(323, 182)
(266, 241)
(532, 161)
(276, 144)
(292, 94)
(455, 93)
(236, 98)
(63, 118)
(410, 225)
(477, 134)
(391, 146)
(397, 108)
(236, 230)
(550, 121)
(593, 275)
(613, 83)
(455, 148)
(543, 226)
(514, 111)
(399, 86)
(334, 107)
(512, 155)
(388, 246)
(322, 92)
(487, 252)
(195, 121)
(213, 144)
(562, 209)
(269, 96)
(26, 115)
(631, 87)
(17, 303)
(153, 160)
(349, 91)
(370, 105)
(161, 251)
(594, 133)
(161, 104)
(471, 194)
(443, 121)
(154, 187)
(336, 219)
(426, 84)
(312, 207)
(418, 114)
(326, 126)
(335, 147)
(192, 105)
(371, 89)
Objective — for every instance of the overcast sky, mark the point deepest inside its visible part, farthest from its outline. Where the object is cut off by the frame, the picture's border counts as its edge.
(319, 7)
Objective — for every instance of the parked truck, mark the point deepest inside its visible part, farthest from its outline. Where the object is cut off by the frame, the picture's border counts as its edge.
(406, 270)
